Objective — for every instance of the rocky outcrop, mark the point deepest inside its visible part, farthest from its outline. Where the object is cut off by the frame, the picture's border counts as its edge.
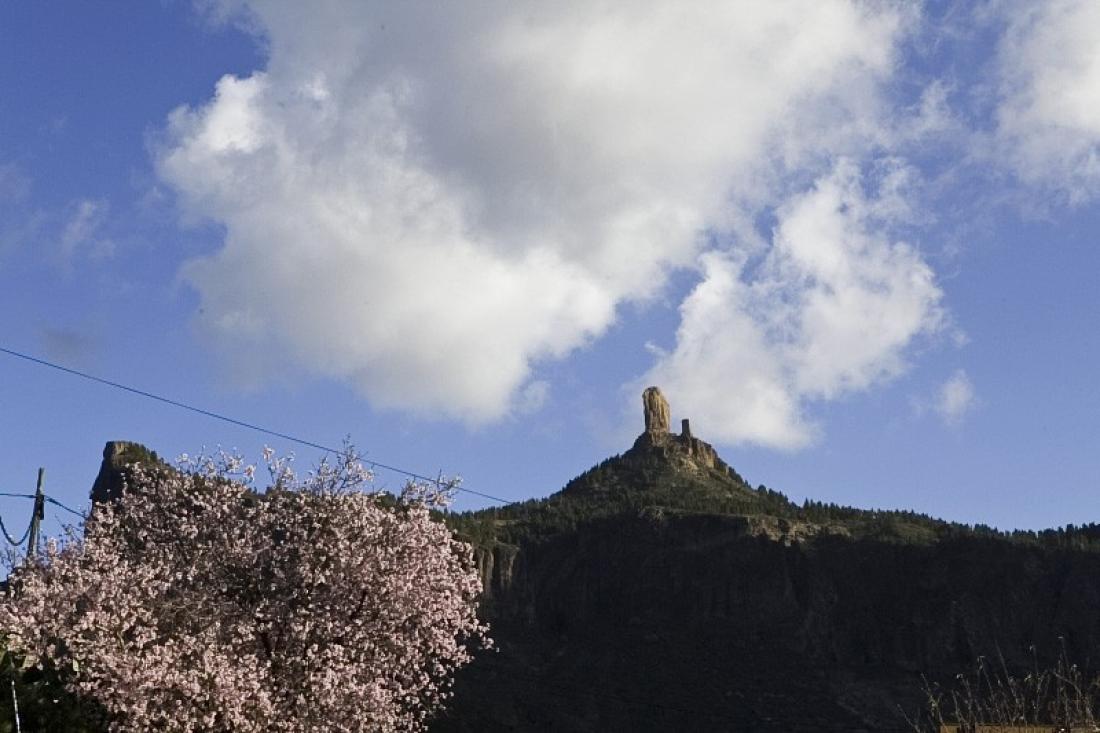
(111, 479)
(495, 565)
(657, 443)
(656, 412)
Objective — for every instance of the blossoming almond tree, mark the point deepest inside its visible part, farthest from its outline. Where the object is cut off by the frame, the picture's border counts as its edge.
(195, 604)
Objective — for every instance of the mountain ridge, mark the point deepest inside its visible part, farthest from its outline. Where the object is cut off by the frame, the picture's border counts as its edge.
(659, 591)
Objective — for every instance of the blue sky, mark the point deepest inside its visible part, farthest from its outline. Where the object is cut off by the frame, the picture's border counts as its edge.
(854, 243)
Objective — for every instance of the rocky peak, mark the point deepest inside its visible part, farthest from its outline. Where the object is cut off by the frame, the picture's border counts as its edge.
(117, 455)
(657, 442)
(671, 468)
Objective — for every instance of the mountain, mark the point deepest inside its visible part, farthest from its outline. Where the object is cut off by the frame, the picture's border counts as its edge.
(658, 591)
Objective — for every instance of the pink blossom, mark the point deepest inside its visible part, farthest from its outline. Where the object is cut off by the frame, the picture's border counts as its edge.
(194, 604)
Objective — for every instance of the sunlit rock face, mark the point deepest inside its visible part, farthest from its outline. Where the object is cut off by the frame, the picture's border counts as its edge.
(657, 442)
(656, 412)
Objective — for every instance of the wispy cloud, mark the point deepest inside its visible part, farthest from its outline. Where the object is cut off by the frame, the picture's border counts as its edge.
(19, 221)
(955, 398)
(82, 232)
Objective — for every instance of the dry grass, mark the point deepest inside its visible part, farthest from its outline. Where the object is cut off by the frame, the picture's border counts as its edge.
(990, 699)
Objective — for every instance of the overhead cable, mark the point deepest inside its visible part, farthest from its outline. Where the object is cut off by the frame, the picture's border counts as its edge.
(234, 421)
(11, 540)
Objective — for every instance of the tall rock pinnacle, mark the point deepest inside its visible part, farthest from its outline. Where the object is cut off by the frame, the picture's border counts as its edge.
(657, 414)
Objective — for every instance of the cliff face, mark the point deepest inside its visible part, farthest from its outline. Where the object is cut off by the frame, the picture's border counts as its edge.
(634, 614)
(704, 616)
(111, 479)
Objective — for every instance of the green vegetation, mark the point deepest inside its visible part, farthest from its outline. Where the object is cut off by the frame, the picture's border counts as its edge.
(619, 486)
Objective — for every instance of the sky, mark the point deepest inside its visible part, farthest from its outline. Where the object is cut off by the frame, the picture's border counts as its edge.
(855, 243)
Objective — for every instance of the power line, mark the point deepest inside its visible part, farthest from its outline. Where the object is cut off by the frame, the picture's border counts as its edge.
(48, 498)
(70, 510)
(11, 540)
(233, 421)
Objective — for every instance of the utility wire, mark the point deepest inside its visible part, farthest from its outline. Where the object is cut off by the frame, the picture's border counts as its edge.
(4, 530)
(233, 421)
(16, 542)
(56, 503)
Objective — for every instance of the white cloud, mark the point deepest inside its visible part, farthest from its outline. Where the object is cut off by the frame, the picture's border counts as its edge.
(75, 228)
(724, 373)
(830, 310)
(533, 397)
(82, 230)
(1048, 118)
(955, 398)
(426, 200)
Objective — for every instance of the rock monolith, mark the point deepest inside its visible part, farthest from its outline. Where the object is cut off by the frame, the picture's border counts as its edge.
(657, 415)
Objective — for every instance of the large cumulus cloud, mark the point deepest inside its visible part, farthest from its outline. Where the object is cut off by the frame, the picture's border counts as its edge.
(427, 200)
(829, 310)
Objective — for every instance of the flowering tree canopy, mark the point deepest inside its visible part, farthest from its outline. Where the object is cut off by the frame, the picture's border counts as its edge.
(195, 604)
